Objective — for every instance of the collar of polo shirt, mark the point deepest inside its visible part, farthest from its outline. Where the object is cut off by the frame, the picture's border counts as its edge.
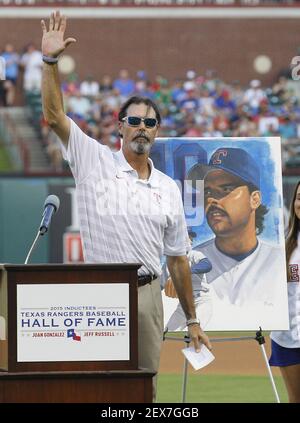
(124, 166)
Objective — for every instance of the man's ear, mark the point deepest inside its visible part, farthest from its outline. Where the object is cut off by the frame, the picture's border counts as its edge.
(255, 199)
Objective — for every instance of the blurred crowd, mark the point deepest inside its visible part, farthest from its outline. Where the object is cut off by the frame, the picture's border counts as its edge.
(192, 106)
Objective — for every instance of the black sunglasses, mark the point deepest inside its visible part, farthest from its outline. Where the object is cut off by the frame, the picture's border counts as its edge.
(136, 121)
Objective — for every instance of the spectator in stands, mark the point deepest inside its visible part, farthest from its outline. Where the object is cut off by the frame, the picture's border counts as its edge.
(221, 122)
(192, 129)
(78, 106)
(124, 84)
(113, 99)
(207, 102)
(265, 118)
(11, 73)
(280, 89)
(223, 100)
(32, 63)
(96, 108)
(142, 86)
(190, 100)
(254, 95)
(162, 94)
(211, 80)
(71, 86)
(237, 93)
(106, 84)
(288, 127)
(177, 91)
(89, 87)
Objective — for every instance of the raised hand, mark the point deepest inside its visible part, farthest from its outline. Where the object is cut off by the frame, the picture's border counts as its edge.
(53, 42)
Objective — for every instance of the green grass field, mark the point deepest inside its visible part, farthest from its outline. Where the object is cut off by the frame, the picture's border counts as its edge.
(219, 389)
(5, 164)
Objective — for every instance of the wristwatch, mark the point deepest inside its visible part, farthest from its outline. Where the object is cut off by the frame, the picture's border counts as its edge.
(190, 322)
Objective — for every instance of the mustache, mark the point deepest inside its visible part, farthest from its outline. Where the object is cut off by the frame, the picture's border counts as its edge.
(212, 209)
(141, 135)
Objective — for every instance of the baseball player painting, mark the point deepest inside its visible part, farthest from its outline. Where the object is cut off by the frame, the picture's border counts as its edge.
(243, 281)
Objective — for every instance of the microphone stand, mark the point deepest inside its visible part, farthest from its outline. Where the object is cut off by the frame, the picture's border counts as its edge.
(32, 246)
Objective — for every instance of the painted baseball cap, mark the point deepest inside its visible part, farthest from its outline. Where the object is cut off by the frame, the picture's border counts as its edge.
(236, 161)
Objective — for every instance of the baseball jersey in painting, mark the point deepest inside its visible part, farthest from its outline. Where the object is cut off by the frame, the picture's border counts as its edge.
(255, 278)
(124, 219)
(174, 316)
(198, 279)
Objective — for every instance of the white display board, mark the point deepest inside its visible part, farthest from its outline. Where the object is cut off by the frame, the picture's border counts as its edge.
(232, 194)
(72, 322)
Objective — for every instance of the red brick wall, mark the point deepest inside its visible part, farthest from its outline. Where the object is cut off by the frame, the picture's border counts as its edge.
(170, 47)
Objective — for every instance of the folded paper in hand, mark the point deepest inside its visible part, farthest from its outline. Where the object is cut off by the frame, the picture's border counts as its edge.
(200, 359)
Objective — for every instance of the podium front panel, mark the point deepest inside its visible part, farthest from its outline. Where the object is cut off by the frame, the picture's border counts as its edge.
(69, 317)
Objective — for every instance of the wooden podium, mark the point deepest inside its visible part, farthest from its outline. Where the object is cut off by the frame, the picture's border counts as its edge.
(39, 354)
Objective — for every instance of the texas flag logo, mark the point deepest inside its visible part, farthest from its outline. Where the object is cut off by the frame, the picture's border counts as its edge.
(71, 334)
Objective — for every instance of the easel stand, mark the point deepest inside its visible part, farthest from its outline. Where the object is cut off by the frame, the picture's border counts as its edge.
(258, 337)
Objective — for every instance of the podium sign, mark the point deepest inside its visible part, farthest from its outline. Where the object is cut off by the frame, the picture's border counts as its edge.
(58, 317)
(63, 322)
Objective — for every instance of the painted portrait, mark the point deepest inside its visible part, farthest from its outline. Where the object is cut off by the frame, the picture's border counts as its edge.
(232, 194)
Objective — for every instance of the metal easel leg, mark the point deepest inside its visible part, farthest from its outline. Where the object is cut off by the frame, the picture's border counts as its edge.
(185, 369)
(261, 340)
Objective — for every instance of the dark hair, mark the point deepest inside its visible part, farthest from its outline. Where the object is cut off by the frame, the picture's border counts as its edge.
(139, 100)
(260, 212)
(293, 229)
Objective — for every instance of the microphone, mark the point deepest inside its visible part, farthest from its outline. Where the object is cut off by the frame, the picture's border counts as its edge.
(51, 206)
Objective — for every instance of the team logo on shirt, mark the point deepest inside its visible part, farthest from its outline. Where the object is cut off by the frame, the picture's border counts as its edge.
(157, 197)
(294, 272)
